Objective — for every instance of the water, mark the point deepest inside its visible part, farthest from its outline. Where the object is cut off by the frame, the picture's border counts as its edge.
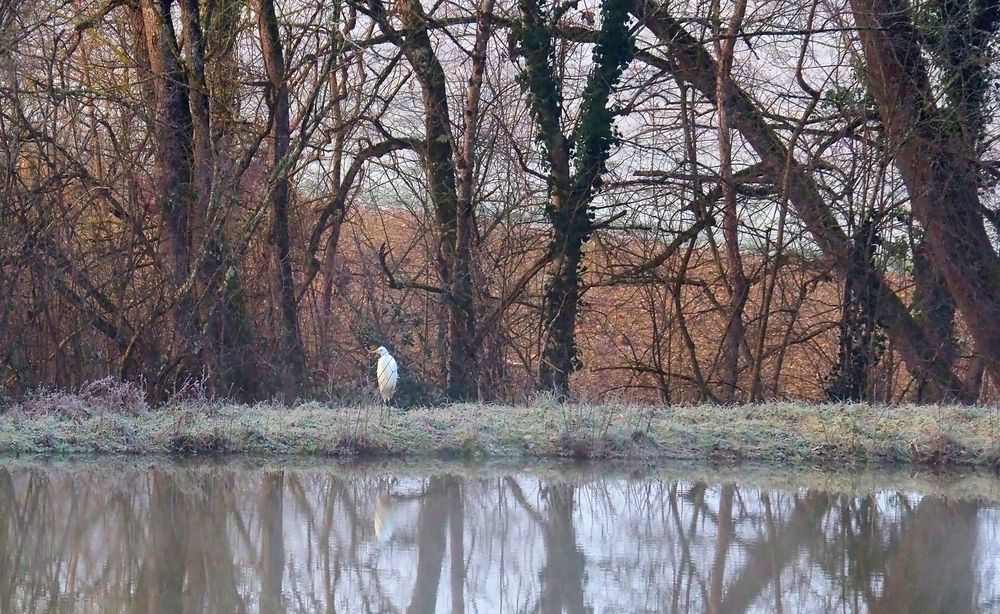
(258, 536)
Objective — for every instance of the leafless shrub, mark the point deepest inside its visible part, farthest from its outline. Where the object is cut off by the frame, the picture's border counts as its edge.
(104, 396)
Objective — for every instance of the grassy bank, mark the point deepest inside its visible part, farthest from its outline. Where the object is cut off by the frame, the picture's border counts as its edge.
(779, 432)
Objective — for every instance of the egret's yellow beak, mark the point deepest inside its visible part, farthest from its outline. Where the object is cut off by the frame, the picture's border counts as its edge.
(373, 351)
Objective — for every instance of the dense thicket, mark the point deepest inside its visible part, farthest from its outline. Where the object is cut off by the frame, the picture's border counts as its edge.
(672, 201)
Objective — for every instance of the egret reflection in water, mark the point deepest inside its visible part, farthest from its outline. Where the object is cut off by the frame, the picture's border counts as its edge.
(390, 508)
(131, 536)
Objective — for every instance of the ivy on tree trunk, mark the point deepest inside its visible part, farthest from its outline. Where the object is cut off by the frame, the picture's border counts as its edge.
(575, 164)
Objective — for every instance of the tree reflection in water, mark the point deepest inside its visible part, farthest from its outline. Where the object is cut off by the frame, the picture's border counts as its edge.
(117, 536)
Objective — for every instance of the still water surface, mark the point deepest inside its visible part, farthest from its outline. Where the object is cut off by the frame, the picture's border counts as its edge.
(246, 536)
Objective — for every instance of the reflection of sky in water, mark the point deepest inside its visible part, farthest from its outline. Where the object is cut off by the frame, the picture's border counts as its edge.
(123, 538)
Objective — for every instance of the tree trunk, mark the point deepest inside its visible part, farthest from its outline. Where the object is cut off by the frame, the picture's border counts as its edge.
(453, 214)
(174, 160)
(739, 288)
(935, 312)
(224, 362)
(562, 297)
(203, 160)
(938, 166)
(464, 370)
(558, 342)
(292, 360)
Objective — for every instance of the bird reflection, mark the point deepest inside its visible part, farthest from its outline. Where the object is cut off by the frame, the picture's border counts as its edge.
(390, 509)
(386, 518)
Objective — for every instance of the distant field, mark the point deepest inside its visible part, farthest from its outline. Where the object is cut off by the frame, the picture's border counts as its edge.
(774, 433)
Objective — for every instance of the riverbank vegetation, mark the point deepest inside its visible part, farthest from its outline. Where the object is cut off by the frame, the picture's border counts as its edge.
(104, 420)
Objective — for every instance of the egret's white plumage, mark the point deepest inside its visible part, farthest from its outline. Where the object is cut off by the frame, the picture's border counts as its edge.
(387, 373)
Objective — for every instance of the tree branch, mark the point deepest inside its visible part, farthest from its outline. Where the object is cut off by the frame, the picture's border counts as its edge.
(396, 284)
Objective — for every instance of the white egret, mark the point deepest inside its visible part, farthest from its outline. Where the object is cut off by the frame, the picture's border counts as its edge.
(386, 372)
